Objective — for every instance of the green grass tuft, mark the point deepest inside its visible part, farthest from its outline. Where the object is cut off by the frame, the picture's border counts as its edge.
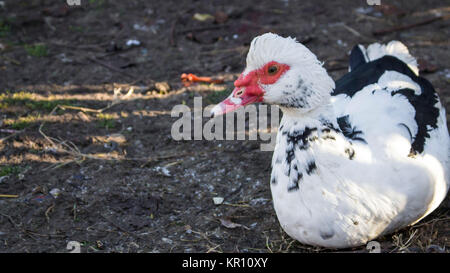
(106, 121)
(28, 100)
(5, 29)
(36, 50)
(10, 170)
(218, 96)
(22, 122)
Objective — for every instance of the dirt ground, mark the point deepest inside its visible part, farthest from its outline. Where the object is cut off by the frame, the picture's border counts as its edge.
(103, 169)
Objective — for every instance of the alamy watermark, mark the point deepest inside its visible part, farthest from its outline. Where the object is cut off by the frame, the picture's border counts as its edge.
(373, 2)
(74, 247)
(232, 126)
(73, 2)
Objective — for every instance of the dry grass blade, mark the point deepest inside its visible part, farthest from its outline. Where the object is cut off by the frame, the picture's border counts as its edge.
(9, 195)
(432, 221)
(47, 212)
(228, 224)
(409, 26)
(398, 241)
(267, 245)
(357, 33)
(11, 135)
(14, 61)
(68, 147)
(205, 237)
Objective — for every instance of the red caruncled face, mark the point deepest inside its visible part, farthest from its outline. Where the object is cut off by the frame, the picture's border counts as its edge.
(248, 89)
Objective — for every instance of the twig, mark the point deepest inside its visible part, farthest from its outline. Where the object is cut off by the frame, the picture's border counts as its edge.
(211, 249)
(405, 27)
(356, 33)
(17, 226)
(352, 30)
(398, 241)
(237, 205)
(436, 12)
(47, 212)
(9, 131)
(432, 221)
(83, 109)
(118, 70)
(429, 43)
(11, 60)
(11, 135)
(9, 195)
(205, 237)
(110, 67)
(28, 232)
(158, 158)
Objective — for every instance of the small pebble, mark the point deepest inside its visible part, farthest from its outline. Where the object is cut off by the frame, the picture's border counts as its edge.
(218, 200)
(55, 192)
(133, 42)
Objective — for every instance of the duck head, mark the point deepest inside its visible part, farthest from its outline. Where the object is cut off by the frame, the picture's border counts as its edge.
(279, 71)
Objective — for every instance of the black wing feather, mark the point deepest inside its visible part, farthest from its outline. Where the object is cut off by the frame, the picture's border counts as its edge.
(426, 113)
(356, 58)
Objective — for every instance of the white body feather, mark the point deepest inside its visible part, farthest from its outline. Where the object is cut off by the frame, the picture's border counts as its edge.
(347, 203)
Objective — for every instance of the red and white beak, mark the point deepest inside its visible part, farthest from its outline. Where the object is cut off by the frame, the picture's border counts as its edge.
(246, 91)
(234, 102)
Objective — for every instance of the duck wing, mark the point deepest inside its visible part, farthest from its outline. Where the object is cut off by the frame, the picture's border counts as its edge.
(383, 82)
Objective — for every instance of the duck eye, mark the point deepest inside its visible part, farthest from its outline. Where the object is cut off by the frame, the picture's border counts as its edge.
(272, 69)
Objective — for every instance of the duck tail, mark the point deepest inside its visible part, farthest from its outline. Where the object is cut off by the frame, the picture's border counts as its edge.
(393, 48)
(360, 55)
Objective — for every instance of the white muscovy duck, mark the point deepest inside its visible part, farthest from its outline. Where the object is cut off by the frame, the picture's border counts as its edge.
(356, 158)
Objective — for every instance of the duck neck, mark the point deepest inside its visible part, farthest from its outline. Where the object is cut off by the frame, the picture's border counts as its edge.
(321, 117)
(298, 135)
